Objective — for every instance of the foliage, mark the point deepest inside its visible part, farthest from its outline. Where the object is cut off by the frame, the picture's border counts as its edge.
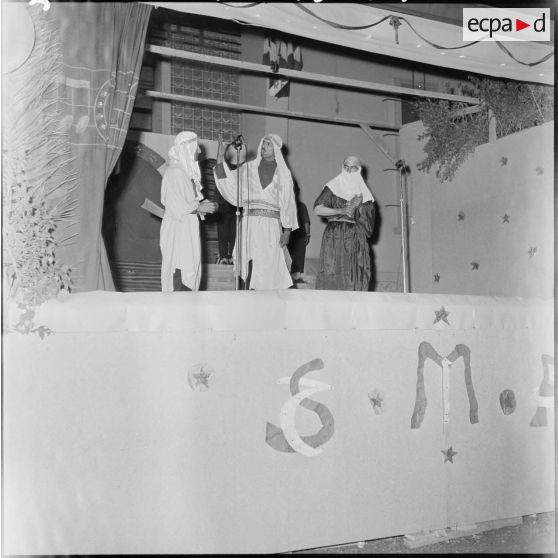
(451, 133)
(30, 245)
(37, 182)
(515, 105)
(453, 129)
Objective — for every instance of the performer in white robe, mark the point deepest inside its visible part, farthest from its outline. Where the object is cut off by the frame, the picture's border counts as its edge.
(184, 205)
(269, 215)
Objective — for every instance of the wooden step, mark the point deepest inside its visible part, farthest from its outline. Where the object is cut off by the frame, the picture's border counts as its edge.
(217, 277)
(141, 276)
(426, 538)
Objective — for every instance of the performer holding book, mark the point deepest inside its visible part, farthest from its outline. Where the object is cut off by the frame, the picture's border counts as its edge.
(348, 205)
(184, 206)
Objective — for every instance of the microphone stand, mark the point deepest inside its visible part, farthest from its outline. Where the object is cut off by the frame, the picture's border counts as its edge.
(402, 168)
(238, 243)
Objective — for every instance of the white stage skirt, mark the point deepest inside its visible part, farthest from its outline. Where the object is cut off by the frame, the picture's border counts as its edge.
(226, 422)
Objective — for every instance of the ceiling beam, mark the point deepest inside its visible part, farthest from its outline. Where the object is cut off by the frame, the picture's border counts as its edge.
(378, 142)
(264, 110)
(299, 75)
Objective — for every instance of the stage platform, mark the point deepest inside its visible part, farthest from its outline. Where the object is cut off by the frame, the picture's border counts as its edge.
(263, 422)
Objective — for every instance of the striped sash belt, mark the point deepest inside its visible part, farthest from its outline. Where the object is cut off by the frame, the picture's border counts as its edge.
(264, 213)
(341, 220)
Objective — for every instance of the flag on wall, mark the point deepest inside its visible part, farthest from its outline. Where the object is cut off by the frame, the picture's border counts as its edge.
(280, 53)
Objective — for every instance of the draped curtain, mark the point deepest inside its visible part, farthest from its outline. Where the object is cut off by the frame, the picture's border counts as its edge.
(102, 46)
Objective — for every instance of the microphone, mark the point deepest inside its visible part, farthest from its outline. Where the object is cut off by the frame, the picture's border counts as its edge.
(236, 151)
(239, 142)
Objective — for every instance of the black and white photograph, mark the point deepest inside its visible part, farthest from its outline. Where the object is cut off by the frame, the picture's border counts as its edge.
(278, 278)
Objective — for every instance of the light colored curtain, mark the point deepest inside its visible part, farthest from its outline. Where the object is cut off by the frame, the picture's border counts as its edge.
(102, 46)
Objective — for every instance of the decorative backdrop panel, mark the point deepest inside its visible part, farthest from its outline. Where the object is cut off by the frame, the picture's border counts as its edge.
(490, 231)
(272, 421)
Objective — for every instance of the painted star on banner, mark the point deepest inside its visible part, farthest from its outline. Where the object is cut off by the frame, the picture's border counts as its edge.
(376, 401)
(532, 251)
(504, 161)
(376, 398)
(461, 216)
(474, 265)
(202, 378)
(448, 454)
(436, 277)
(441, 315)
(540, 171)
(506, 218)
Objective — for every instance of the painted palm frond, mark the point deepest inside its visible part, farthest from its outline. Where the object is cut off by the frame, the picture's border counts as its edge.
(37, 174)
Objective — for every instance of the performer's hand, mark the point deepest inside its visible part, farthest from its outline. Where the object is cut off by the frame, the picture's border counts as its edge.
(285, 236)
(348, 211)
(307, 240)
(356, 201)
(206, 207)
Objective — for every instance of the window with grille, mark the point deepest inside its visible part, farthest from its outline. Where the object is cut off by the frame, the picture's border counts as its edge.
(206, 36)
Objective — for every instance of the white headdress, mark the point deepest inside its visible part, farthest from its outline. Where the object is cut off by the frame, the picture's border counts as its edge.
(346, 185)
(183, 153)
(285, 176)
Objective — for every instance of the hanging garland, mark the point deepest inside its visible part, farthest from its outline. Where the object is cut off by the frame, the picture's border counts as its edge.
(38, 178)
(396, 22)
(338, 25)
(453, 130)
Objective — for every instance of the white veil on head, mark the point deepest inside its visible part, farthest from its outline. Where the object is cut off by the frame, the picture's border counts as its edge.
(285, 176)
(346, 185)
(183, 153)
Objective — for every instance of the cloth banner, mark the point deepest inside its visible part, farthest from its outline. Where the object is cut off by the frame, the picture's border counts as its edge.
(103, 45)
(280, 53)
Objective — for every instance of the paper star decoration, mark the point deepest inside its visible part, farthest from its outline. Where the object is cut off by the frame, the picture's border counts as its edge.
(532, 251)
(461, 216)
(376, 399)
(202, 378)
(539, 170)
(474, 265)
(506, 218)
(441, 315)
(504, 161)
(448, 454)
(436, 277)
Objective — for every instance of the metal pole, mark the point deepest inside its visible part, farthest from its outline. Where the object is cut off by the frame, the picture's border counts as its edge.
(237, 244)
(404, 239)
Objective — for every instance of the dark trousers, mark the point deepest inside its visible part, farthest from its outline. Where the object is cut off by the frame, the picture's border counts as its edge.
(226, 232)
(177, 282)
(297, 250)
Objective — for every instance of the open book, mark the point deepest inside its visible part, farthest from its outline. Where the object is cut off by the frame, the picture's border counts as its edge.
(153, 208)
(158, 211)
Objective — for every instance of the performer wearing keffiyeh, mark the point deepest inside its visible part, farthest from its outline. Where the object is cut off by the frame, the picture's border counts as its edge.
(348, 205)
(269, 216)
(180, 233)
